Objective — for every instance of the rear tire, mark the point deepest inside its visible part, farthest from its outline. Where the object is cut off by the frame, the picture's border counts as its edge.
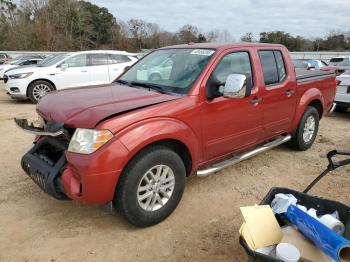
(143, 196)
(38, 89)
(306, 133)
(341, 109)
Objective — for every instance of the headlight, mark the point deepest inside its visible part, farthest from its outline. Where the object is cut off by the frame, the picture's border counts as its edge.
(87, 141)
(18, 76)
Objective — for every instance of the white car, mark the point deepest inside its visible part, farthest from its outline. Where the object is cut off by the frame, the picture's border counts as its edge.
(25, 61)
(71, 70)
(342, 97)
(336, 60)
(156, 72)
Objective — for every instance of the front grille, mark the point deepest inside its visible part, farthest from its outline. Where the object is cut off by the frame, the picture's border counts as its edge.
(6, 78)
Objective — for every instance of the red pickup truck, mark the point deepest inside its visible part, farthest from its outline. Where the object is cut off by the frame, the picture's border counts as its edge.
(181, 110)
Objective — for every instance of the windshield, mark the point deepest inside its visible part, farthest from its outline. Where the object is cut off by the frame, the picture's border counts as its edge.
(18, 61)
(172, 70)
(52, 60)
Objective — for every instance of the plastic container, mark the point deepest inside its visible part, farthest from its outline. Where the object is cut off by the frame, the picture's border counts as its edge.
(287, 252)
(322, 205)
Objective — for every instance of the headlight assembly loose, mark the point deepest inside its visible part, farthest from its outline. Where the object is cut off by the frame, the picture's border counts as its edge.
(87, 141)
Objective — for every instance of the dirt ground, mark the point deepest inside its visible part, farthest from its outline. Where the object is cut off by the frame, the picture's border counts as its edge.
(204, 227)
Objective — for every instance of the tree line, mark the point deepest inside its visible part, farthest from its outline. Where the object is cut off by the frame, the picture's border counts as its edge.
(71, 25)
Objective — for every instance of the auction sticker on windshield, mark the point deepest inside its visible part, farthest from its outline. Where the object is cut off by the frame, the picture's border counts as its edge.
(204, 52)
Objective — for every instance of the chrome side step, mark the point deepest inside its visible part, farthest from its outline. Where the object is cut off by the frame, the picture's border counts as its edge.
(238, 158)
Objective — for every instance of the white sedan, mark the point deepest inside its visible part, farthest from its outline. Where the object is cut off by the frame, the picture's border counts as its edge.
(87, 68)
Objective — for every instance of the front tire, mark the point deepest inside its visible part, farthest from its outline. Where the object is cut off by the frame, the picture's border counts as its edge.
(306, 133)
(151, 186)
(38, 89)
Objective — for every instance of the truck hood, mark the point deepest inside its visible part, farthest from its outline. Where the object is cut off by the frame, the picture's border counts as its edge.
(86, 107)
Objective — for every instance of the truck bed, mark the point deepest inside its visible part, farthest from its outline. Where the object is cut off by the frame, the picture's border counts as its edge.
(303, 75)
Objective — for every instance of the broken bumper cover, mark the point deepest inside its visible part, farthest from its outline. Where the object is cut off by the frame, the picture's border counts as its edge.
(44, 164)
(89, 179)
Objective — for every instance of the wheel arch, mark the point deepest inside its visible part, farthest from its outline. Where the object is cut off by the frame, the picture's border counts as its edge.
(316, 103)
(174, 144)
(40, 79)
(155, 73)
(312, 97)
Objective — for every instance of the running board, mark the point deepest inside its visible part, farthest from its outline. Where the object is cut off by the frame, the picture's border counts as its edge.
(238, 158)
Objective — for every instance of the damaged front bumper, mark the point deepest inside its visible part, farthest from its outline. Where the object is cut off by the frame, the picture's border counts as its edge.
(45, 161)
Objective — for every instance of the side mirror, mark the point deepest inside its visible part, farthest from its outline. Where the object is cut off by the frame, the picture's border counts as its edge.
(64, 67)
(126, 68)
(235, 86)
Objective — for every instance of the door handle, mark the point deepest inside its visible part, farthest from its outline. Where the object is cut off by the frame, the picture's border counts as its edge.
(256, 100)
(84, 71)
(289, 92)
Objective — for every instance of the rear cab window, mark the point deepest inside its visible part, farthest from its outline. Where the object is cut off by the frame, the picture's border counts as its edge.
(273, 66)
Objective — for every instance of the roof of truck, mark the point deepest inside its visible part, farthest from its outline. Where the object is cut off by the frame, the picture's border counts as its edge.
(223, 45)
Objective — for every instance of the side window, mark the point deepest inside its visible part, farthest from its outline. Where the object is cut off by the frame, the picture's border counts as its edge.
(269, 67)
(280, 66)
(98, 59)
(118, 59)
(76, 61)
(234, 63)
(273, 66)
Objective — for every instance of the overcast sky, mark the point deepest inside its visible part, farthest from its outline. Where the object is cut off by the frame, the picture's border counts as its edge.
(307, 18)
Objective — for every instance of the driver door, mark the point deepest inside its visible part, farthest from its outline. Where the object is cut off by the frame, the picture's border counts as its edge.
(231, 124)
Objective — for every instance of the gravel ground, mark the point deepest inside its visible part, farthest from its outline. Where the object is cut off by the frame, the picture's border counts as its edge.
(204, 227)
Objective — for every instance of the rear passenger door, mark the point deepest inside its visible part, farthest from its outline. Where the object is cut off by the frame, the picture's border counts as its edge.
(279, 96)
(99, 73)
(117, 64)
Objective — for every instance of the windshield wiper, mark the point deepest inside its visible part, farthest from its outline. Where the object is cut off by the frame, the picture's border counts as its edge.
(123, 82)
(149, 86)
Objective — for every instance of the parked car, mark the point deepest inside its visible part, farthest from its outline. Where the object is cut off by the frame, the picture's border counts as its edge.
(4, 58)
(312, 64)
(156, 72)
(336, 60)
(342, 97)
(317, 64)
(88, 68)
(43, 61)
(24, 61)
(135, 141)
(344, 65)
(301, 63)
